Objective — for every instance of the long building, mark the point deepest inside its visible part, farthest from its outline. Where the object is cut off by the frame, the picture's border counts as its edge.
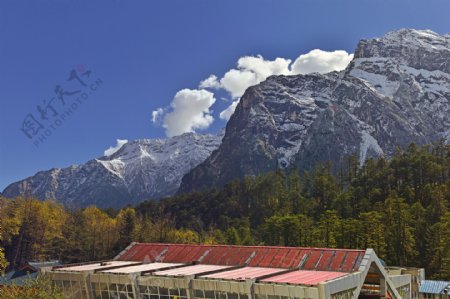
(180, 271)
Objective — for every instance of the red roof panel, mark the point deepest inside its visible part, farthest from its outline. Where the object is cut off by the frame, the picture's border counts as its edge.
(215, 255)
(173, 251)
(312, 260)
(325, 260)
(225, 257)
(277, 259)
(289, 258)
(337, 260)
(259, 255)
(191, 253)
(246, 254)
(234, 257)
(135, 255)
(300, 258)
(350, 261)
(267, 259)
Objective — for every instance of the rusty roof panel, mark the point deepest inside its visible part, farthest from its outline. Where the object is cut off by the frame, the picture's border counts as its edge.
(337, 260)
(312, 260)
(300, 258)
(276, 262)
(215, 255)
(289, 258)
(259, 254)
(247, 254)
(241, 258)
(194, 252)
(173, 251)
(267, 259)
(349, 261)
(325, 260)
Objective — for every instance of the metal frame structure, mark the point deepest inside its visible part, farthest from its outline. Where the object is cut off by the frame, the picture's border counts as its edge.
(174, 271)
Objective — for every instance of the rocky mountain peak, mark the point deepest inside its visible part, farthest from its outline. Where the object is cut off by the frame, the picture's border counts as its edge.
(420, 49)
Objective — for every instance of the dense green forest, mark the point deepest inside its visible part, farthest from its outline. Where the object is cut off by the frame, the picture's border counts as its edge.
(398, 206)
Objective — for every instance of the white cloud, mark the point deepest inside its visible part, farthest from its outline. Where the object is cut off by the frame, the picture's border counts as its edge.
(237, 81)
(252, 70)
(112, 149)
(190, 111)
(210, 82)
(264, 68)
(318, 61)
(226, 114)
(157, 114)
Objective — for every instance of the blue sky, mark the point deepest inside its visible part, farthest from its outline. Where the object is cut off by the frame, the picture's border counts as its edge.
(144, 52)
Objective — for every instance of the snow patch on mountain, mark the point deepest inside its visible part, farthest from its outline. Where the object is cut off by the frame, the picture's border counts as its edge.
(368, 143)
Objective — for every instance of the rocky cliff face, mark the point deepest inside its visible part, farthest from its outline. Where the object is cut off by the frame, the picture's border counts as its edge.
(394, 92)
(141, 169)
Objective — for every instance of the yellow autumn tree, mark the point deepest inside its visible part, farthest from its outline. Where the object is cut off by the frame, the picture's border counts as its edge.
(3, 262)
(32, 228)
(99, 234)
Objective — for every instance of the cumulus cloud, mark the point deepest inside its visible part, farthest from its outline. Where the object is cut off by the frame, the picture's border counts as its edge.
(226, 114)
(318, 61)
(250, 70)
(112, 149)
(157, 114)
(263, 68)
(190, 111)
(210, 82)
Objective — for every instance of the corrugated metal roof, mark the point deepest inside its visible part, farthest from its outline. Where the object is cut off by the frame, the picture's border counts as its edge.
(25, 272)
(433, 286)
(304, 277)
(190, 270)
(323, 259)
(244, 273)
(141, 268)
(95, 266)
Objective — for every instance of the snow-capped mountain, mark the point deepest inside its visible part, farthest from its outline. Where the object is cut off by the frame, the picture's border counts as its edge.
(141, 169)
(395, 91)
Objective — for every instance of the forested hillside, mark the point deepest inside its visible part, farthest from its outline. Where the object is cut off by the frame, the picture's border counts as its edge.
(399, 207)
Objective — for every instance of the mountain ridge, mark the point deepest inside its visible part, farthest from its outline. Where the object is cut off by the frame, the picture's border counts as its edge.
(138, 170)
